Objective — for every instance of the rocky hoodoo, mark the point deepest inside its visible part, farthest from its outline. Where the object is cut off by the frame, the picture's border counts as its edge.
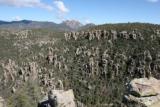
(2, 102)
(144, 92)
(58, 98)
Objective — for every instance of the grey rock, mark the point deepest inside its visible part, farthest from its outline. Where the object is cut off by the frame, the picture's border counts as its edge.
(144, 91)
(58, 98)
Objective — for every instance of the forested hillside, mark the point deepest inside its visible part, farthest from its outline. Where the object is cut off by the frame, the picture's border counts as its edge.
(96, 62)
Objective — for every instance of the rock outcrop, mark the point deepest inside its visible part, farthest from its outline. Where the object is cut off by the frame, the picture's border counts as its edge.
(144, 92)
(58, 98)
(2, 102)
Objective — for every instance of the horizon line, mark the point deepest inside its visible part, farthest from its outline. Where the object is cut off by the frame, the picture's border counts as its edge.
(81, 22)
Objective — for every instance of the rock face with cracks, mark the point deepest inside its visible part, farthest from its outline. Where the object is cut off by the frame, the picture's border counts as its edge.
(144, 91)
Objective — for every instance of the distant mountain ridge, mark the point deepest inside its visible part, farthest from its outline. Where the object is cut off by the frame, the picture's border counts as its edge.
(67, 25)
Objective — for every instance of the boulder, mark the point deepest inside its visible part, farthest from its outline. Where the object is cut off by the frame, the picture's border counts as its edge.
(144, 87)
(144, 92)
(58, 98)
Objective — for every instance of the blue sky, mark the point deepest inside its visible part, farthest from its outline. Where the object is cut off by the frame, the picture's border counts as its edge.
(86, 11)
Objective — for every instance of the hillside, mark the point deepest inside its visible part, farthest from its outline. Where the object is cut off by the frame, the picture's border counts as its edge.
(96, 62)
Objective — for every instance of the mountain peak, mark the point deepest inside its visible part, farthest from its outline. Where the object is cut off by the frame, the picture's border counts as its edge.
(73, 24)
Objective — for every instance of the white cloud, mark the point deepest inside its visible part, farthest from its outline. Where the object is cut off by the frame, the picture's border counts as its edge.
(61, 7)
(26, 3)
(153, 1)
